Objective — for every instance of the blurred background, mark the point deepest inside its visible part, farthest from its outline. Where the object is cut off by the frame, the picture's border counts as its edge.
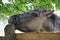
(11, 7)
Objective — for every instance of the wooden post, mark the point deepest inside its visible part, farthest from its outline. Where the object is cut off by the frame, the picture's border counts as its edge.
(10, 32)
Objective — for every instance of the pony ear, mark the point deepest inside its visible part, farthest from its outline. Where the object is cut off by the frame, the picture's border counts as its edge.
(49, 13)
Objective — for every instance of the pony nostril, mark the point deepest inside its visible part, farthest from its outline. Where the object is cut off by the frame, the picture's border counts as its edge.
(15, 18)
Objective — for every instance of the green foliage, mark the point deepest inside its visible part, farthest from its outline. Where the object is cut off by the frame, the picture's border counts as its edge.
(20, 6)
(45, 4)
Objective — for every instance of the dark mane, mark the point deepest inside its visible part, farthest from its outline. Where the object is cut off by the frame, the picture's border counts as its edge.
(53, 17)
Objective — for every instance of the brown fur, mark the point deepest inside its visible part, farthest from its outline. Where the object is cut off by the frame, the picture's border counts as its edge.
(30, 21)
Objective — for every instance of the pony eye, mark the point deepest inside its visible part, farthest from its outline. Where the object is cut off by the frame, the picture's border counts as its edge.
(34, 14)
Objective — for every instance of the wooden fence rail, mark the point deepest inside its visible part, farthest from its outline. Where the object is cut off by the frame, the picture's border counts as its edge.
(36, 36)
(10, 35)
